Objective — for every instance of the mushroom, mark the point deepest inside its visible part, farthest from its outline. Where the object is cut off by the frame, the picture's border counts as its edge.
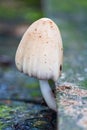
(39, 55)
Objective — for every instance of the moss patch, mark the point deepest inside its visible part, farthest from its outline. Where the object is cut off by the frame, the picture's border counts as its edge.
(4, 111)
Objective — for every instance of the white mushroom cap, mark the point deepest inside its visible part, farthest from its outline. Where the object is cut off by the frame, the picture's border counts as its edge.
(40, 51)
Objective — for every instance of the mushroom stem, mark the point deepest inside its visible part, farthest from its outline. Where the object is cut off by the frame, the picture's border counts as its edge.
(47, 94)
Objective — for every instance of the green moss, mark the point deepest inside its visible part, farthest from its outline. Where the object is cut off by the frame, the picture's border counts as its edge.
(40, 124)
(7, 113)
(4, 111)
(2, 125)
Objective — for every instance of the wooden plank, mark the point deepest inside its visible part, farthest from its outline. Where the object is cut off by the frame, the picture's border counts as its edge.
(72, 107)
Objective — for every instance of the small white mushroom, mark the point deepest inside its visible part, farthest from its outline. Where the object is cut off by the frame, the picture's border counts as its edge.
(40, 54)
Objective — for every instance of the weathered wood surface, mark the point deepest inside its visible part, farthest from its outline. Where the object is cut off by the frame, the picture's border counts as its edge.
(72, 107)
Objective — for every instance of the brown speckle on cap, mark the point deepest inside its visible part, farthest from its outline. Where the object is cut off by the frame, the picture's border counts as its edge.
(51, 22)
(44, 22)
(51, 26)
(40, 36)
(35, 29)
(44, 54)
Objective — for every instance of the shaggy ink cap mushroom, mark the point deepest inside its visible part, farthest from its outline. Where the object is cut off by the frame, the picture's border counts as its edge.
(40, 55)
